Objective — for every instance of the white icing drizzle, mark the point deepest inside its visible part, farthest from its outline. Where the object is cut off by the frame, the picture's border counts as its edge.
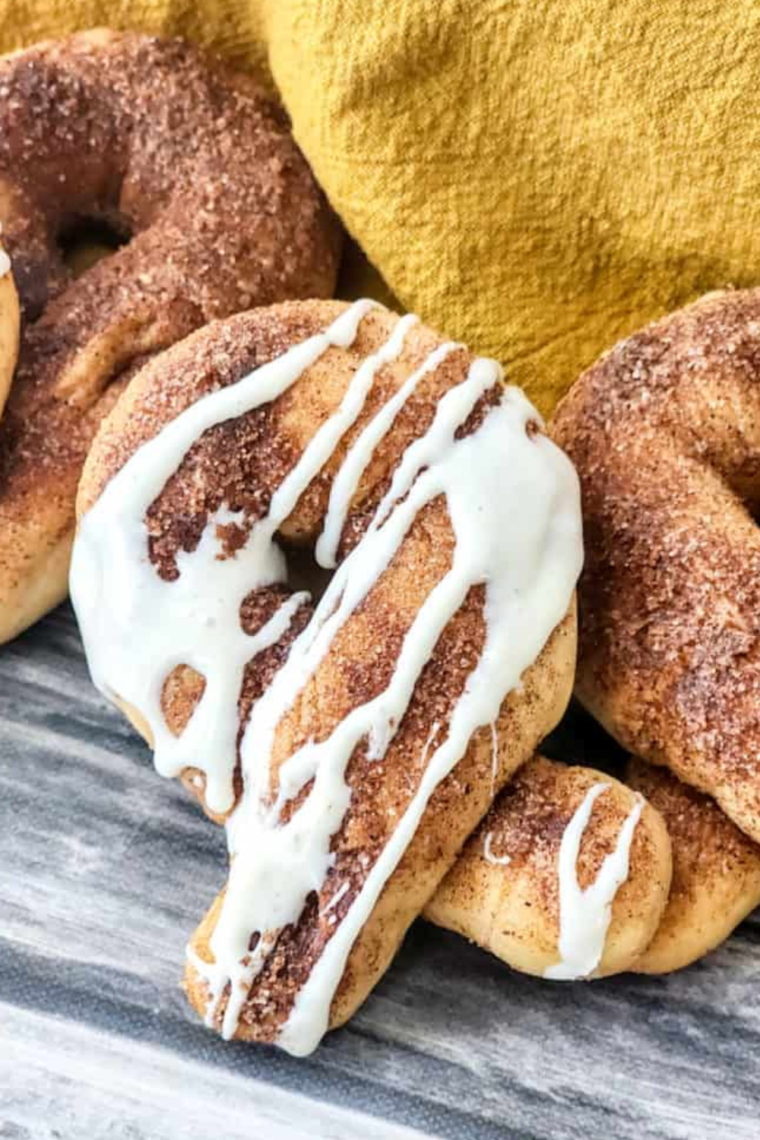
(5, 263)
(488, 855)
(355, 463)
(585, 915)
(513, 502)
(195, 620)
(333, 902)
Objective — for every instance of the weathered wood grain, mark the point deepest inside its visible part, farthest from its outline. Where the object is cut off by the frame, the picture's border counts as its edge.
(104, 870)
(94, 1084)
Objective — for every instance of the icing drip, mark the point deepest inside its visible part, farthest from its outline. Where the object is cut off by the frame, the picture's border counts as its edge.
(585, 915)
(513, 504)
(488, 855)
(355, 463)
(523, 557)
(335, 898)
(195, 620)
(5, 263)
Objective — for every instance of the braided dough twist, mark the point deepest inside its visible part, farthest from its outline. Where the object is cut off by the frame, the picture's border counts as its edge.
(235, 477)
(505, 891)
(716, 871)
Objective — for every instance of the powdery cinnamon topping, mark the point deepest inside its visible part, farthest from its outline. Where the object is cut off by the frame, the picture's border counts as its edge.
(240, 467)
(566, 877)
(532, 814)
(197, 170)
(241, 463)
(706, 844)
(665, 434)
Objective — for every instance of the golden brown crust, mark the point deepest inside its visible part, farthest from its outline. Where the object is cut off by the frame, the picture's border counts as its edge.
(716, 872)
(241, 463)
(513, 909)
(665, 434)
(454, 810)
(9, 328)
(199, 170)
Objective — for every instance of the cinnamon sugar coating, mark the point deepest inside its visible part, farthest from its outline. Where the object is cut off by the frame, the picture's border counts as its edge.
(197, 170)
(716, 871)
(513, 909)
(241, 463)
(665, 434)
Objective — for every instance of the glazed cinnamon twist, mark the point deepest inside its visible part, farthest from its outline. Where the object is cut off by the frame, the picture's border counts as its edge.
(563, 852)
(195, 170)
(352, 745)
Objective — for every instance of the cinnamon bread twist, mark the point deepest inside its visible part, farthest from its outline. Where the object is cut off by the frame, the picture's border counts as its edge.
(352, 744)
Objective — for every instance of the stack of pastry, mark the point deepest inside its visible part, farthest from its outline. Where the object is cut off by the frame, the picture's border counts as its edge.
(370, 743)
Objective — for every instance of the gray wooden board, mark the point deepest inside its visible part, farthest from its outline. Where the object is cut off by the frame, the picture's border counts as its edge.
(104, 870)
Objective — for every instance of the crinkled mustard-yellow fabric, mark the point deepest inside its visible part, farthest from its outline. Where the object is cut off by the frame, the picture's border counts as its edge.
(534, 177)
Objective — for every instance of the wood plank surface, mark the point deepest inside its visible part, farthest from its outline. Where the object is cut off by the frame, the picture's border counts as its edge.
(104, 871)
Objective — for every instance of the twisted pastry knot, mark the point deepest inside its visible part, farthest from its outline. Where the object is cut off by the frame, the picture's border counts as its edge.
(351, 745)
(665, 434)
(195, 173)
(569, 874)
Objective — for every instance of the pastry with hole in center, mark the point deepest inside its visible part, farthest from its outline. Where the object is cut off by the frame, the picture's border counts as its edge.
(195, 172)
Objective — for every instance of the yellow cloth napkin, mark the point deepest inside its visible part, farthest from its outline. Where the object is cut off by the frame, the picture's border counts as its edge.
(535, 177)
